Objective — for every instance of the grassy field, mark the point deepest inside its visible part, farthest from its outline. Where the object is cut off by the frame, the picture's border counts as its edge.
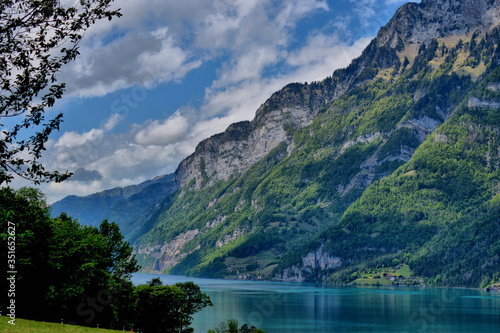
(374, 282)
(29, 326)
(405, 271)
(375, 277)
(265, 262)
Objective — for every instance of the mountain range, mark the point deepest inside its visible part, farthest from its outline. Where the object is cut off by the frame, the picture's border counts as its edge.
(391, 161)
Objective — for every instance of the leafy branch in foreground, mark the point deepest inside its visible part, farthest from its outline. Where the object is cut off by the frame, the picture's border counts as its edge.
(36, 39)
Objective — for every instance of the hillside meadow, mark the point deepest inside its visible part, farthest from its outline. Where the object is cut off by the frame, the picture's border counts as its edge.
(29, 326)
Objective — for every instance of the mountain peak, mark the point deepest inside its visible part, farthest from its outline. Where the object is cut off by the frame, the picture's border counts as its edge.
(417, 23)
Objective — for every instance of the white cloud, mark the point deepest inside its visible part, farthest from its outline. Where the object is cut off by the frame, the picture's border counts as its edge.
(322, 55)
(113, 121)
(164, 132)
(294, 10)
(115, 157)
(140, 59)
(169, 63)
(185, 35)
(249, 65)
(73, 139)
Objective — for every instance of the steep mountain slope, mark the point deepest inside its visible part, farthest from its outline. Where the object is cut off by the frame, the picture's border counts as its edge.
(439, 212)
(311, 189)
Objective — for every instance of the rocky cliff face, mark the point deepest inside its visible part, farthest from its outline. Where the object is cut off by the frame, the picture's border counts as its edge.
(241, 145)
(419, 23)
(314, 266)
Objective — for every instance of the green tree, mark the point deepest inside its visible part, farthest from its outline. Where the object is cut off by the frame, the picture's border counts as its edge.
(65, 270)
(154, 282)
(157, 308)
(116, 252)
(82, 273)
(32, 229)
(246, 329)
(89, 262)
(194, 301)
(37, 38)
(231, 326)
(169, 308)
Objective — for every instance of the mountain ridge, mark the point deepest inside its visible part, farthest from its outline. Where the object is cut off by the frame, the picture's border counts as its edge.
(275, 192)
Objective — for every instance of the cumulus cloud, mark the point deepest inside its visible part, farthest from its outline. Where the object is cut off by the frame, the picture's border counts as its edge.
(164, 132)
(294, 10)
(140, 59)
(73, 139)
(365, 10)
(183, 38)
(108, 160)
(85, 176)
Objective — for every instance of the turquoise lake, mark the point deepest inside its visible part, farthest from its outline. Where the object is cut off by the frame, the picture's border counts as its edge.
(279, 307)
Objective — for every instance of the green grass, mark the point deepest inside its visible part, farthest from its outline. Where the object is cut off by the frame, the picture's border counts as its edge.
(375, 278)
(268, 270)
(370, 281)
(29, 326)
(405, 271)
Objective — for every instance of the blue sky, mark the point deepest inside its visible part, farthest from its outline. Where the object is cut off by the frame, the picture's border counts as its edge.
(147, 87)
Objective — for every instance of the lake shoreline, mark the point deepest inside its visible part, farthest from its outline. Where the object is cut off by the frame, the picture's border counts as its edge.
(326, 284)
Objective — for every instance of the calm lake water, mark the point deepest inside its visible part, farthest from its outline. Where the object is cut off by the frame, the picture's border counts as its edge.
(294, 307)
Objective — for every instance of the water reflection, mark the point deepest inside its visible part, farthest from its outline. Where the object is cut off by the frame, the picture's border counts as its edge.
(294, 308)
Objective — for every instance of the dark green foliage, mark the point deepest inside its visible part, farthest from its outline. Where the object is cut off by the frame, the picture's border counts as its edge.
(406, 62)
(441, 207)
(465, 252)
(231, 326)
(82, 273)
(216, 269)
(61, 264)
(169, 308)
(426, 53)
(154, 282)
(30, 247)
(445, 91)
(256, 243)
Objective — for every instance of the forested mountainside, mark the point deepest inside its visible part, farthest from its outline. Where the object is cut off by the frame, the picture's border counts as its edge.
(394, 159)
